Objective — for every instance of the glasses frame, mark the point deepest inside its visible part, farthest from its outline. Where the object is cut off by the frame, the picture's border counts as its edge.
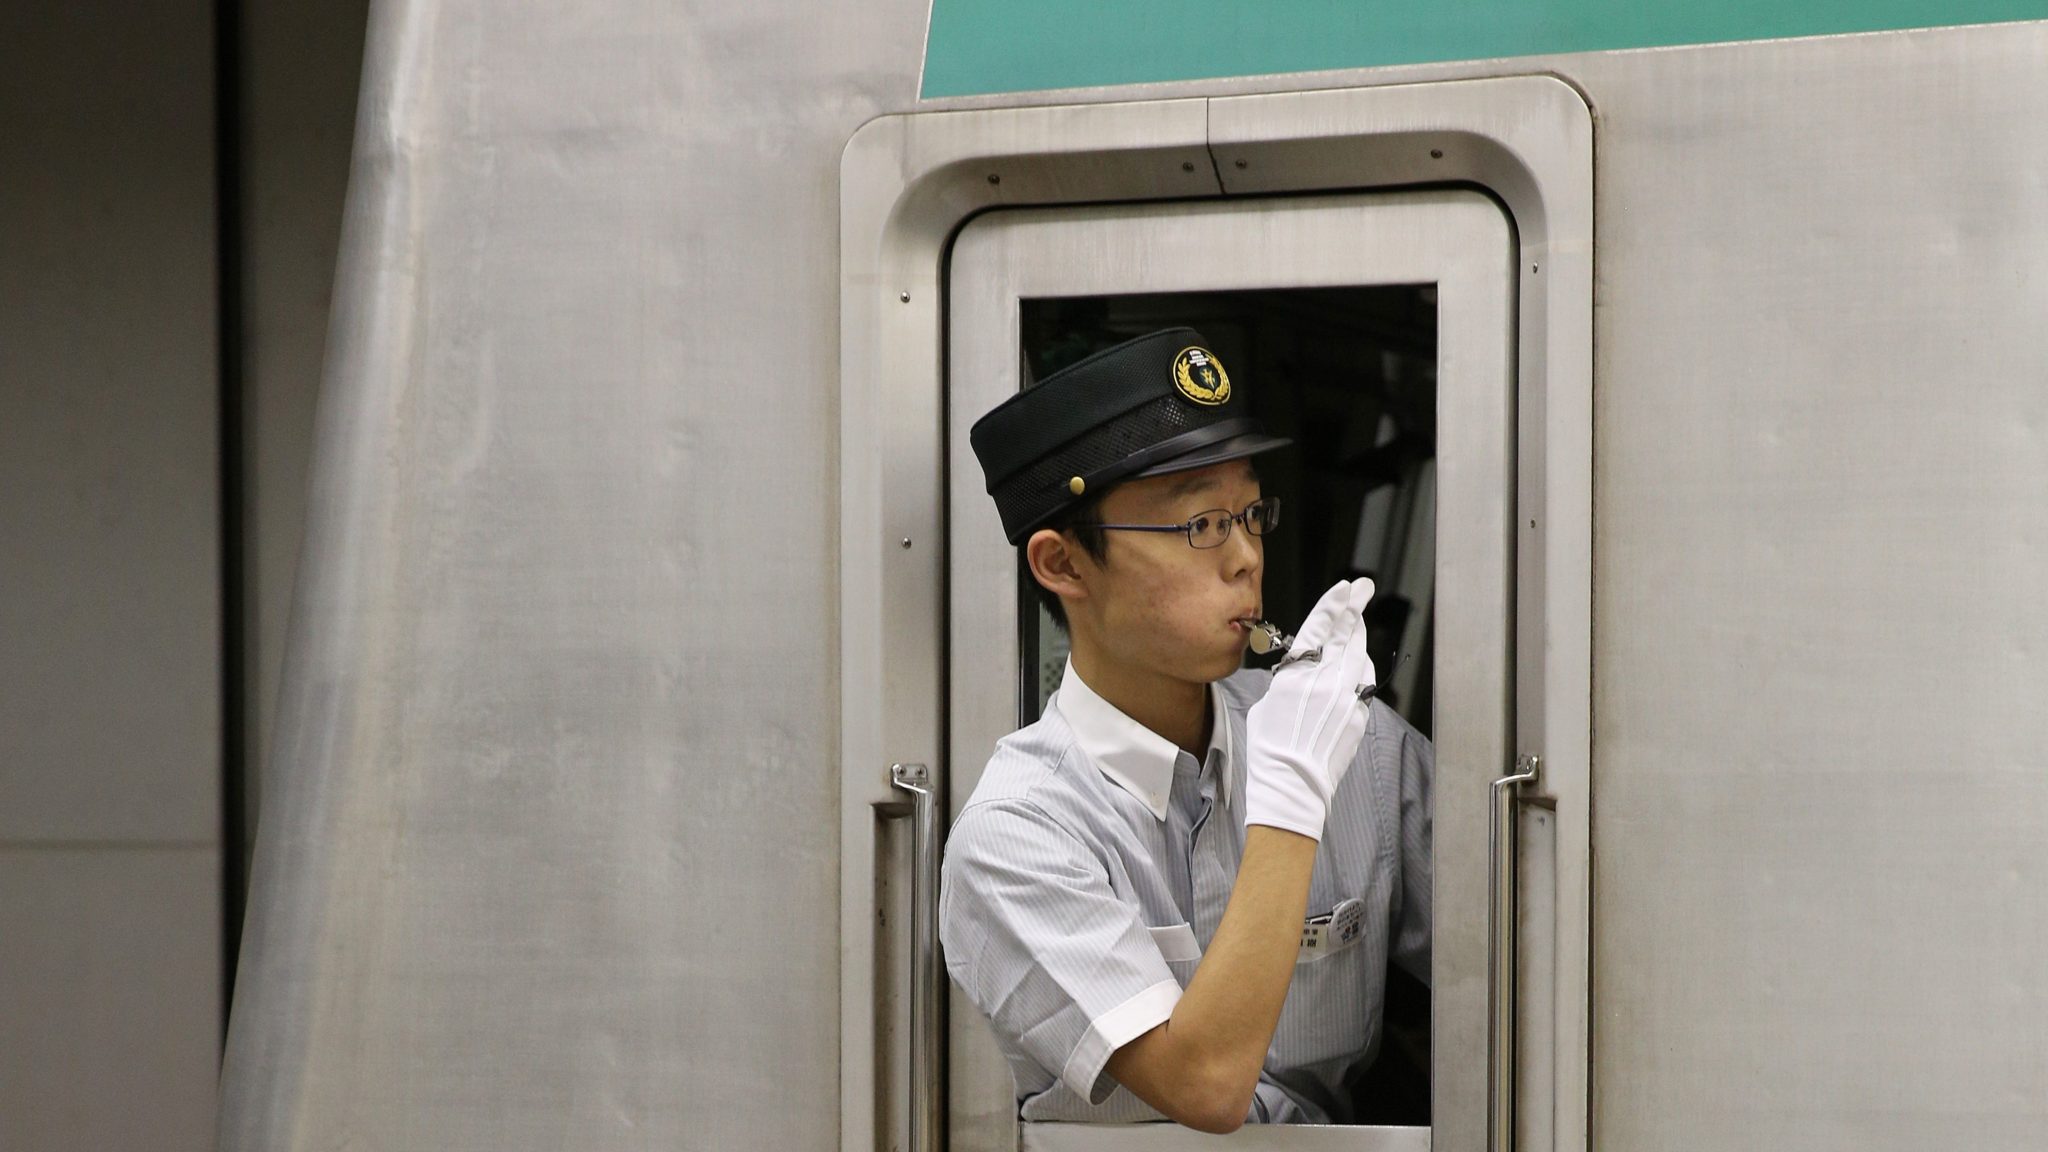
(1227, 519)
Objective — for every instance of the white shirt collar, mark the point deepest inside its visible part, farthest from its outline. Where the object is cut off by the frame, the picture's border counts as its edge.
(1135, 758)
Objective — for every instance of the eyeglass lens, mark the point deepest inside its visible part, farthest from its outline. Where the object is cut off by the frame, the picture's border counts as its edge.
(1211, 529)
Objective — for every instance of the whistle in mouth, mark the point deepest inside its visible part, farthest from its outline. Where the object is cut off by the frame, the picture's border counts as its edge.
(1265, 638)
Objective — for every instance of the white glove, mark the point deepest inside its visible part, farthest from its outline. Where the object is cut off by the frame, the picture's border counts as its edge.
(1305, 731)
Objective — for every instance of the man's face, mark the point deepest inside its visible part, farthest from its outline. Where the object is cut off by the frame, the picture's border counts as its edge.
(1158, 604)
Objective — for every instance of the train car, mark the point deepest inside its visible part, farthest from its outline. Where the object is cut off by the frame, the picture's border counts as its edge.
(1681, 377)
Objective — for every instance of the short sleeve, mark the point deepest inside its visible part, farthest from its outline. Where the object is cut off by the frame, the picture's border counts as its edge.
(1414, 917)
(1036, 937)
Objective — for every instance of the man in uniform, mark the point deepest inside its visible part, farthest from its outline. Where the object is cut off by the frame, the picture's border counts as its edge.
(1176, 894)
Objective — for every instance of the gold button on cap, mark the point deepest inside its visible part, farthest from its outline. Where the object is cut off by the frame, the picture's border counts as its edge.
(1077, 485)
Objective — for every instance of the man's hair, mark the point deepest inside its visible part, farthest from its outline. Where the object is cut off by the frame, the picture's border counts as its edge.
(1081, 521)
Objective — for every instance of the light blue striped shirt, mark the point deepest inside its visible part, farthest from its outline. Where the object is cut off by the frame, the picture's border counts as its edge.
(1091, 867)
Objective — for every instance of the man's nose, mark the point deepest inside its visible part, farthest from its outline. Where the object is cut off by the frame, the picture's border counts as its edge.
(1245, 551)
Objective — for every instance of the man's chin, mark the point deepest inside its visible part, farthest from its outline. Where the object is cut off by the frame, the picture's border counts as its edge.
(1222, 666)
(1192, 665)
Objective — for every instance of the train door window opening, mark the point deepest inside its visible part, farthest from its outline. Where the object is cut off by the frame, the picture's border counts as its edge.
(1348, 374)
(1377, 333)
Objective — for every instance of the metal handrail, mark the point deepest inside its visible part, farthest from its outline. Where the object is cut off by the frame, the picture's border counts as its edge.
(1500, 956)
(927, 991)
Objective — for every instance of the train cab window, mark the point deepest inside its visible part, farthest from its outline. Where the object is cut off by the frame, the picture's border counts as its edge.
(1349, 374)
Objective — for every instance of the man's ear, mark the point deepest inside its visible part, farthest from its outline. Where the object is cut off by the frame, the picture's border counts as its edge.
(1056, 564)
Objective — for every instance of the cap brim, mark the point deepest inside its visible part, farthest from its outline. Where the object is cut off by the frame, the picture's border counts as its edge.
(1235, 448)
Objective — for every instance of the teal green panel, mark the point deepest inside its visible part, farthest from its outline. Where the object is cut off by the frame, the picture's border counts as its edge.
(979, 46)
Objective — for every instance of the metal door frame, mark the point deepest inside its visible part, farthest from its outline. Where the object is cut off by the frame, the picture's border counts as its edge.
(1457, 240)
(908, 181)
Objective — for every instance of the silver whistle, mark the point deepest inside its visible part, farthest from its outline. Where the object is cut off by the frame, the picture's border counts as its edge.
(1266, 638)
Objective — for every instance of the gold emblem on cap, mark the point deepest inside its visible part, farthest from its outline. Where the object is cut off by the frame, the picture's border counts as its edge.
(1077, 485)
(1200, 376)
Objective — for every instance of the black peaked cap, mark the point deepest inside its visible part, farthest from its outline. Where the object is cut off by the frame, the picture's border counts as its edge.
(1159, 403)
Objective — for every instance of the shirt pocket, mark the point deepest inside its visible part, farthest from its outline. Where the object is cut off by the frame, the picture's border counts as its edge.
(1332, 1006)
(1179, 948)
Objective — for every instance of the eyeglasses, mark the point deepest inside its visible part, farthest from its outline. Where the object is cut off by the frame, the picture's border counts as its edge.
(1210, 529)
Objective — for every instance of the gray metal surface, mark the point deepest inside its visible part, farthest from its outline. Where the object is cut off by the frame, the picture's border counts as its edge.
(1459, 241)
(1822, 597)
(548, 861)
(1535, 1023)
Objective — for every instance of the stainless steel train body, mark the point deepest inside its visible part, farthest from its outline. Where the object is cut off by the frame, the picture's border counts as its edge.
(641, 547)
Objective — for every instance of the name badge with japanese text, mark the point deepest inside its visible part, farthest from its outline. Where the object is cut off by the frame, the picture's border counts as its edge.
(1332, 932)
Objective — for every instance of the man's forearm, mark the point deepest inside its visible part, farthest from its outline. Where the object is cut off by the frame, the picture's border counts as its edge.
(1233, 1003)
(1201, 1066)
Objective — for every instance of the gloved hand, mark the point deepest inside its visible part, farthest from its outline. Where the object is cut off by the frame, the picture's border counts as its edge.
(1305, 731)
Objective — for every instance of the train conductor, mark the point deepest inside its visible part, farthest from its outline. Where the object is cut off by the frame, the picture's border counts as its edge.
(1176, 894)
